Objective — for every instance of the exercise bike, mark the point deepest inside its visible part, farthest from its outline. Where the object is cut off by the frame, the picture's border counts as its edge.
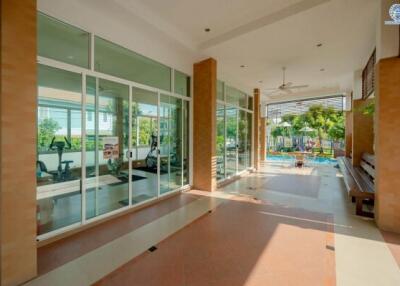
(151, 158)
(61, 174)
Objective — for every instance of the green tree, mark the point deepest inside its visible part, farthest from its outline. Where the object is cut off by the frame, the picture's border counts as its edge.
(321, 119)
(47, 129)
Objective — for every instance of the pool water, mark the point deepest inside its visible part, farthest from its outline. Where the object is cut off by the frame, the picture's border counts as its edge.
(288, 158)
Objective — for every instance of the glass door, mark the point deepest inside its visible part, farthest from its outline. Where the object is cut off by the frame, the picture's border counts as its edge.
(145, 147)
(231, 140)
(242, 138)
(171, 152)
(107, 141)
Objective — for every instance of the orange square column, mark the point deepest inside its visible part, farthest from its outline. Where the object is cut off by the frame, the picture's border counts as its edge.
(204, 125)
(387, 144)
(18, 141)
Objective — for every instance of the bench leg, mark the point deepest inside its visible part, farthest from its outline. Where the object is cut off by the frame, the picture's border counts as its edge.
(359, 208)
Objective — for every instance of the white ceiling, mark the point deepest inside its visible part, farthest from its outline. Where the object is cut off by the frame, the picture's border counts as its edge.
(265, 35)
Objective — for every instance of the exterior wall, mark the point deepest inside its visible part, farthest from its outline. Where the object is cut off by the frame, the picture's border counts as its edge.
(18, 141)
(387, 145)
(349, 133)
(204, 125)
(363, 133)
(256, 127)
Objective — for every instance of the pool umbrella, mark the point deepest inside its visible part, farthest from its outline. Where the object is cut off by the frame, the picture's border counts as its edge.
(286, 124)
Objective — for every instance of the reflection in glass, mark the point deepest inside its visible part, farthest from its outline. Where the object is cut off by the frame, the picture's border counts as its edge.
(220, 142)
(220, 90)
(242, 144)
(249, 138)
(144, 145)
(58, 166)
(170, 143)
(118, 61)
(62, 42)
(108, 172)
(231, 140)
(182, 83)
(185, 145)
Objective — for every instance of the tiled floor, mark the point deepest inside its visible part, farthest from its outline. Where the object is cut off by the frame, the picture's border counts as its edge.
(56, 254)
(244, 242)
(263, 230)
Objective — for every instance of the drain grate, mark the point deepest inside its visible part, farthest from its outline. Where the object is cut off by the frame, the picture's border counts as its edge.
(330, 247)
(153, 248)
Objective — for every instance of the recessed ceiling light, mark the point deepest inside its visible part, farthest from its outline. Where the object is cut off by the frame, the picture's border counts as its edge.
(207, 30)
(319, 45)
(242, 66)
(322, 69)
(260, 81)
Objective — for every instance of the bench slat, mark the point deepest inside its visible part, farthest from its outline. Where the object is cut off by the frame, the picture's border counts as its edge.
(368, 169)
(369, 158)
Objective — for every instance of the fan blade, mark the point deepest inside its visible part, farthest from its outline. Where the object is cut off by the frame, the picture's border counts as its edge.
(289, 84)
(298, 86)
(270, 88)
(287, 90)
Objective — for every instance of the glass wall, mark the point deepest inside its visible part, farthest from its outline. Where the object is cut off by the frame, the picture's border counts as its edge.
(107, 181)
(115, 60)
(107, 140)
(62, 42)
(59, 146)
(220, 141)
(234, 120)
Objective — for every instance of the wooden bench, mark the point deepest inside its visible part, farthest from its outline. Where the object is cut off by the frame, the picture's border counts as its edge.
(359, 181)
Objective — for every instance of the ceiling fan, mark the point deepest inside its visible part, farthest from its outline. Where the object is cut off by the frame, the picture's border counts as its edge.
(285, 86)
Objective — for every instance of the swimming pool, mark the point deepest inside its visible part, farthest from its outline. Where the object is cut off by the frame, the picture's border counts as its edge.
(288, 158)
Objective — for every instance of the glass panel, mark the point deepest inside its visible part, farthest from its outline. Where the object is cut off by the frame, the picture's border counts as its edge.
(220, 90)
(250, 103)
(62, 42)
(231, 141)
(185, 142)
(107, 184)
(144, 145)
(58, 164)
(182, 84)
(170, 143)
(220, 142)
(242, 144)
(236, 97)
(121, 62)
(249, 137)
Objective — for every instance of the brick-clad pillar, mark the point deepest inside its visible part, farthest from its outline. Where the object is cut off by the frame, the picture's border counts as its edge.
(263, 139)
(256, 115)
(349, 133)
(363, 131)
(387, 159)
(204, 125)
(18, 141)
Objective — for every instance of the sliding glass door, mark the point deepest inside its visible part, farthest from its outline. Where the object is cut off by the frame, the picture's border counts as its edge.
(170, 143)
(107, 143)
(231, 143)
(105, 148)
(145, 149)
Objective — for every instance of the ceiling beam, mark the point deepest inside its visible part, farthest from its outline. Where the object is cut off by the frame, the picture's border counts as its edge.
(262, 22)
